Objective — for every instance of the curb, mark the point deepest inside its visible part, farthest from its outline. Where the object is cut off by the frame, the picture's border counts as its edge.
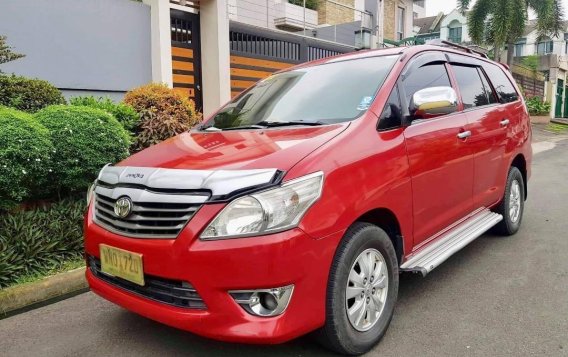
(54, 288)
(559, 121)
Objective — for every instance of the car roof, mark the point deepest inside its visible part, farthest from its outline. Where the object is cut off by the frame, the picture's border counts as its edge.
(408, 50)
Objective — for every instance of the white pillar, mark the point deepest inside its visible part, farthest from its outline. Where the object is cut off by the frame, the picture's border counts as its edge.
(380, 23)
(161, 41)
(215, 54)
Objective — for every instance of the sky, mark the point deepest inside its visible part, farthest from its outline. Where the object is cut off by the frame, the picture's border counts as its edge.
(433, 7)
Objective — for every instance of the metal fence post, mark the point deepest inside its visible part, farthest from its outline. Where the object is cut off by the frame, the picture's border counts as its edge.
(304, 17)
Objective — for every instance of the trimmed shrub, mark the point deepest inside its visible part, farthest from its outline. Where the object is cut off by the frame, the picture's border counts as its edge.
(163, 113)
(25, 150)
(85, 140)
(29, 95)
(537, 106)
(125, 114)
(38, 241)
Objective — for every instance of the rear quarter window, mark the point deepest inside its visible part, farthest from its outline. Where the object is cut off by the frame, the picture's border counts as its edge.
(503, 86)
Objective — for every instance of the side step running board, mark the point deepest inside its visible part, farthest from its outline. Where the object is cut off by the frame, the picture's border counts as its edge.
(451, 241)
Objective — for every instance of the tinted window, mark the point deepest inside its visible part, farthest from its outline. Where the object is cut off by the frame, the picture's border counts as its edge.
(490, 94)
(433, 75)
(501, 83)
(392, 116)
(330, 93)
(471, 88)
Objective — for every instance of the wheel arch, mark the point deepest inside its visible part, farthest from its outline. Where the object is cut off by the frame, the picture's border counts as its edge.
(385, 219)
(521, 163)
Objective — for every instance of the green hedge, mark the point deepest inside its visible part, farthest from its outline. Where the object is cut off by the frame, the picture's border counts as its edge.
(29, 95)
(85, 140)
(25, 153)
(38, 241)
(125, 114)
(537, 106)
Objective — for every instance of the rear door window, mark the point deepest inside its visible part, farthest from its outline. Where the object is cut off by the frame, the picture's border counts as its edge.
(471, 87)
(490, 94)
(503, 86)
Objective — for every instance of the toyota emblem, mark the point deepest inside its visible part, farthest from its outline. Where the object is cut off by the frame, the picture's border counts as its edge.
(123, 207)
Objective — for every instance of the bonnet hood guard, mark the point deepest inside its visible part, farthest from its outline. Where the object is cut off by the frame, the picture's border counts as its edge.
(221, 185)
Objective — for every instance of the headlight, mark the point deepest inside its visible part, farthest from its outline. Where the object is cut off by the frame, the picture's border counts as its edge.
(273, 210)
(91, 192)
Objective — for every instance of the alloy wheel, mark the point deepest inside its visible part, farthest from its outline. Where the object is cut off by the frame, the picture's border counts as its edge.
(515, 201)
(366, 291)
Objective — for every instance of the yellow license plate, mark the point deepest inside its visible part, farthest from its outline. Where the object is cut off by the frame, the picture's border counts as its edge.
(122, 264)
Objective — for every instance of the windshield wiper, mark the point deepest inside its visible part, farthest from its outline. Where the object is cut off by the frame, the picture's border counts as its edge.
(264, 124)
(209, 128)
(272, 124)
(252, 126)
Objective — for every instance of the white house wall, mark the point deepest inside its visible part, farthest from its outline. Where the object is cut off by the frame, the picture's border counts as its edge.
(408, 6)
(530, 47)
(444, 26)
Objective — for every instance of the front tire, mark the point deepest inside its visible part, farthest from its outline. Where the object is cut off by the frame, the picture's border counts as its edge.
(512, 205)
(362, 291)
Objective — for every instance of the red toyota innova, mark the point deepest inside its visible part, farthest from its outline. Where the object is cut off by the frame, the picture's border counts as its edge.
(295, 207)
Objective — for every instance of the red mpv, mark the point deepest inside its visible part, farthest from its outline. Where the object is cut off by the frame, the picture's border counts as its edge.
(295, 207)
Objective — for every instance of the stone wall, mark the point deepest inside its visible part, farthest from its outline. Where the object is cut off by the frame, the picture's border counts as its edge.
(332, 14)
(390, 19)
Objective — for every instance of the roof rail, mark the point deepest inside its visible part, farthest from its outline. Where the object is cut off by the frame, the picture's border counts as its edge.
(460, 47)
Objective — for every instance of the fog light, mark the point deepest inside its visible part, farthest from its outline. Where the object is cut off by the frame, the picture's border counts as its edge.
(264, 302)
(268, 301)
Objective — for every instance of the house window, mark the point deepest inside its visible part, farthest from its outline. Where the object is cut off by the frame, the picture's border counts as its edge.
(455, 32)
(544, 47)
(400, 14)
(519, 49)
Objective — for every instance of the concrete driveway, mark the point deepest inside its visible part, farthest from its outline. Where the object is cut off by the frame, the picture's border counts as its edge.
(497, 297)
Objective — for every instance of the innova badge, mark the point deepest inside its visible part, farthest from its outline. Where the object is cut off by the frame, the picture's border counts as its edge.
(123, 207)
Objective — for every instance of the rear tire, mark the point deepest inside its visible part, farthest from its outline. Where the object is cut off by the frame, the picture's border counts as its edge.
(365, 266)
(512, 205)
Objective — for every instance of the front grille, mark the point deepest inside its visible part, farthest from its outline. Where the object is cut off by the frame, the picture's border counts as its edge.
(167, 291)
(147, 220)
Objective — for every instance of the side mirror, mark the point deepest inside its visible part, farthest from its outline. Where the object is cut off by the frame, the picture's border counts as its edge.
(433, 102)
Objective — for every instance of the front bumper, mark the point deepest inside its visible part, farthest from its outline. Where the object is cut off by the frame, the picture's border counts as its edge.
(216, 267)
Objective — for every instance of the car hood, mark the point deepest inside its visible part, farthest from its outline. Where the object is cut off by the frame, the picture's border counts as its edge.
(279, 148)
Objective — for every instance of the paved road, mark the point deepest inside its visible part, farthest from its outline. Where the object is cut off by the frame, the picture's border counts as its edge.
(497, 297)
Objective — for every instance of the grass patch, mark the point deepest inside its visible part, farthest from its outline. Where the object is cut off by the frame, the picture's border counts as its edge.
(557, 128)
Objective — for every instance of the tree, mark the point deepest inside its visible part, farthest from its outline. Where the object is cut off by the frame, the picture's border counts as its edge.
(500, 22)
(310, 4)
(6, 54)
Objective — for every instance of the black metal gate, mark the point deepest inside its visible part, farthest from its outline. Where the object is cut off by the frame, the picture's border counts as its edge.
(186, 55)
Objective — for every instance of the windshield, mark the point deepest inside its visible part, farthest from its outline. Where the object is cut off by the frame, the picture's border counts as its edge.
(323, 94)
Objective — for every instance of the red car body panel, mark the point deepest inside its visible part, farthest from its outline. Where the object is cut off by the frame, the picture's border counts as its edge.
(215, 267)
(416, 173)
(240, 149)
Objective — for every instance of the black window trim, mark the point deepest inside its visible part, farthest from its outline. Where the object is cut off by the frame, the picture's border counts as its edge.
(397, 89)
(459, 59)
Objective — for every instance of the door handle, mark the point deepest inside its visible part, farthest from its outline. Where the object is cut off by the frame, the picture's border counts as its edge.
(464, 134)
(504, 122)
